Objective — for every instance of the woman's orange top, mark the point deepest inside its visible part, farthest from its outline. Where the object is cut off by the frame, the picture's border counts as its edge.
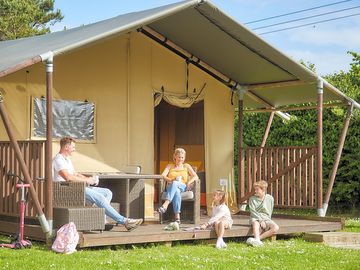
(176, 172)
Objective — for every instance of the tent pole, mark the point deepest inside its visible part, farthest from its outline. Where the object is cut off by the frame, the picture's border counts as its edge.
(48, 145)
(320, 91)
(23, 168)
(241, 162)
(337, 157)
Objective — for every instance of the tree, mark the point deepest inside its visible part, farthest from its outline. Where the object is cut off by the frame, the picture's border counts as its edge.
(346, 191)
(24, 18)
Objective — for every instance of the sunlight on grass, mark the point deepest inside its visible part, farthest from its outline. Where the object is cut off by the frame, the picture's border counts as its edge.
(292, 253)
(352, 225)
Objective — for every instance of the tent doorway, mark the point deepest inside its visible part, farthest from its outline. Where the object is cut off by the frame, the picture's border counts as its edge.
(180, 127)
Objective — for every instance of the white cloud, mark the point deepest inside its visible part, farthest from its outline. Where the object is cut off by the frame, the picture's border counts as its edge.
(348, 38)
(326, 62)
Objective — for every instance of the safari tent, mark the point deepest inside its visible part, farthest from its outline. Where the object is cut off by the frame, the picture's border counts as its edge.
(133, 87)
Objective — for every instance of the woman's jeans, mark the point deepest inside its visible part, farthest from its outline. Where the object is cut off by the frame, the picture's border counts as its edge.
(173, 194)
(102, 198)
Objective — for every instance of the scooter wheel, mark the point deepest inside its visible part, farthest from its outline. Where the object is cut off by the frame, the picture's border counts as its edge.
(28, 244)
(18, 245)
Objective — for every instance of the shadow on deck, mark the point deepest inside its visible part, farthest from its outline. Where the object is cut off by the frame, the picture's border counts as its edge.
(152, 232)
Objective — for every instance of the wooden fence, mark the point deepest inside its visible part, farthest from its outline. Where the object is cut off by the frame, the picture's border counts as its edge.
(290, 172)
(33, 154)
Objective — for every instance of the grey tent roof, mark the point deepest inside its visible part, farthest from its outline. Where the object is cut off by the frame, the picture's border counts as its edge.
(201, 29)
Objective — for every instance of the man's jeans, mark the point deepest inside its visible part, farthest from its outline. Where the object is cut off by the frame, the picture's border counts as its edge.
(173, 194)
(102, 198)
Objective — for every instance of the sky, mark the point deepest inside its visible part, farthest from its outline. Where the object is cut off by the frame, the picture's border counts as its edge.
(323, 44)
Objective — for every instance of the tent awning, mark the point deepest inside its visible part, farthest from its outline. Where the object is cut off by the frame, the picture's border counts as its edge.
(204, 31)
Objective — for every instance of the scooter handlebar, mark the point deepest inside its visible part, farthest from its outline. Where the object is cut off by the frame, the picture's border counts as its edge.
(22, 185)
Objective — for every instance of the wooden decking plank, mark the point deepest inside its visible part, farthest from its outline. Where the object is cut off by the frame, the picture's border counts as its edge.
(152, 232)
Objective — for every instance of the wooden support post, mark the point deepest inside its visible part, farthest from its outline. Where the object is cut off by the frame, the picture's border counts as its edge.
(319, 200)
(48, 144)
(241, 162)
(23, 167)
(267, 129)
(337, 157)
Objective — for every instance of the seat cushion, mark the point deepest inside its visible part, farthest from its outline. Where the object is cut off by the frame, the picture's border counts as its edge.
(187, 195)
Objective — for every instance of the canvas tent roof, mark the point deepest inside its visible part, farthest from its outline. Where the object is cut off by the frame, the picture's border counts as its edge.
(206, 32)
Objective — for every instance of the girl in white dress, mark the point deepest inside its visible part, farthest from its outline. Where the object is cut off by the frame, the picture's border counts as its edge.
(220, 219)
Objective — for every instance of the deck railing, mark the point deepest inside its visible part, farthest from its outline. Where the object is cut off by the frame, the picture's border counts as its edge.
(290, 172)
(33, 153)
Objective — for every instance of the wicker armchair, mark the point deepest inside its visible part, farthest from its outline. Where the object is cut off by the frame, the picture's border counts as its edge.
(69, 205)
(190, 204)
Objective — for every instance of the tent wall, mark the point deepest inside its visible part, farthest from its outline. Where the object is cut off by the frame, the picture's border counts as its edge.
(119, 76)
(141, 113)
(219, 141)
(17, 89)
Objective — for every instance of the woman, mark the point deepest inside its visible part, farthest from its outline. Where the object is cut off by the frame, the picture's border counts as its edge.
(179, 177)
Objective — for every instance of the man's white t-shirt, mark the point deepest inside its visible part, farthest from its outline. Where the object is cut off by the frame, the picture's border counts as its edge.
(61, 163)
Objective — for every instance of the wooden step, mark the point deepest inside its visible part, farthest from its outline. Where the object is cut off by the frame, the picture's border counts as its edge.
(335, 239)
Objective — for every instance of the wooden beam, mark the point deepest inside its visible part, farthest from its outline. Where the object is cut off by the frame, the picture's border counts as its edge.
(200, 64)
(300, 108)
(20, 66)
(267, 129)
(276, 84)
(33, 232)
(337, 157)
(149, 32)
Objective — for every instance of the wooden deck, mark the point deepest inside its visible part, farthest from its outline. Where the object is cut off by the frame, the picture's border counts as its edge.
(152, 232)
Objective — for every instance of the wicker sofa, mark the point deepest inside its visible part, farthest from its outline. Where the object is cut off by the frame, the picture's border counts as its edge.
(69, 205)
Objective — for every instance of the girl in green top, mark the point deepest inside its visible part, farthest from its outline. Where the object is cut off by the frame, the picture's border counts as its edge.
(261, 206)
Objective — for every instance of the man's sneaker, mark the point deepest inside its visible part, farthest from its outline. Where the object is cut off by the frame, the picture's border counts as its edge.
(173, 226)
(131, 224)
(108, 227)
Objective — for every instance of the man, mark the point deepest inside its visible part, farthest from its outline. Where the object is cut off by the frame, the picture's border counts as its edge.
(63, 170)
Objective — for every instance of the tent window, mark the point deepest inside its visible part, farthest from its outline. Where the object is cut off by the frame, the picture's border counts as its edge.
(70, 118)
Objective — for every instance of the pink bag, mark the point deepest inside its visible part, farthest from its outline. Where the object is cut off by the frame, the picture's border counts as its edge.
(67, 239)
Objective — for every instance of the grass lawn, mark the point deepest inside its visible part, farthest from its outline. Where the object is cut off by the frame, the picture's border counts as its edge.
(291, 253)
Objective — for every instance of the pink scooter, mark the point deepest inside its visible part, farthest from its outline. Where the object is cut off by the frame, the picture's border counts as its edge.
(20, 242)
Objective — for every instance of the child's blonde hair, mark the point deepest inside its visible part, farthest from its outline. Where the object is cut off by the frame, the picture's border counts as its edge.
(261, 184)
(179, 151)
(223, 194)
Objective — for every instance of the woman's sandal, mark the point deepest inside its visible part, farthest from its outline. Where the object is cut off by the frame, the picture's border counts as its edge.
(161, 210)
